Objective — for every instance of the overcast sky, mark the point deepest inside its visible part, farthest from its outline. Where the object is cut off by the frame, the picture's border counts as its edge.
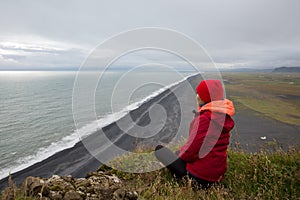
(235, 33)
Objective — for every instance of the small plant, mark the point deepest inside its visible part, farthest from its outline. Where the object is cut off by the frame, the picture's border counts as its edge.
(272, 175)
(14, 193)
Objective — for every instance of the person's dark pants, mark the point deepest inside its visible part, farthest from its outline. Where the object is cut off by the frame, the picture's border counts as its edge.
(176, 165)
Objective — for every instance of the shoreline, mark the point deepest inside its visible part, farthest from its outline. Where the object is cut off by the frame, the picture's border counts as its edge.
(73, 138)
(77, 161)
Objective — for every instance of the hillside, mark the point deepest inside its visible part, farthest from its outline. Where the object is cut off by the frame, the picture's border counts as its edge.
(287, 69)
(249, 176)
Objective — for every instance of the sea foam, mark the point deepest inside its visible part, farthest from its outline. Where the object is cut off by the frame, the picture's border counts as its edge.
(70, 140)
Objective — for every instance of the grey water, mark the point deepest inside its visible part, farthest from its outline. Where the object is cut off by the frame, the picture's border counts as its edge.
(36, 117)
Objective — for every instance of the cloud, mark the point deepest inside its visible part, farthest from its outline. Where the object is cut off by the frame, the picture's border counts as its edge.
(62, 33)
(39, 54)
(32, 48)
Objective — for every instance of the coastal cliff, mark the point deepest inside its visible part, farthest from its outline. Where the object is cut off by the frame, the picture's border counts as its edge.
(249, 176)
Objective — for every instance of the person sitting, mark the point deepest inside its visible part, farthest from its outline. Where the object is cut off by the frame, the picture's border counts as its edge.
(203, 157)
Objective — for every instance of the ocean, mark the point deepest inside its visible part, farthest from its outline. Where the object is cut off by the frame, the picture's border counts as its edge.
(36, 118)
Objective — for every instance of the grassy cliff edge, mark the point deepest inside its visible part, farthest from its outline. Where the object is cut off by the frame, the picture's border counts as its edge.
(261, 175)
(249, 176)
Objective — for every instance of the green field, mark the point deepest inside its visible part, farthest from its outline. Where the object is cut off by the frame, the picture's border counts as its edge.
(273, 95)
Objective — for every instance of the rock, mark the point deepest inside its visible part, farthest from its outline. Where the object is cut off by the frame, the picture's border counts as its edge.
(113, 178)
(55, 195)
(83, 185)
(97, 185)
(106, 194)
(57, 183)
(90, 190)
(82, 182)
(93, 197)
(132, 195)
(81, 189)
(34, 186)
(68, 178)
(72, 195)
(82, 194)
(102, 182)
(121, 194)
(94, 174)
(55, 177)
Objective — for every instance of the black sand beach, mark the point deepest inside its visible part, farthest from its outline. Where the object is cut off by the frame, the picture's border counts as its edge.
(77, 161)
(254, 132)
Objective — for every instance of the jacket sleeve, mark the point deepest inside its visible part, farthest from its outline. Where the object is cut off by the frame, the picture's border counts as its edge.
(198, 130)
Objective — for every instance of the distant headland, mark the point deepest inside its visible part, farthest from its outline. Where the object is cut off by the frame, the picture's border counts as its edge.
(287, 69)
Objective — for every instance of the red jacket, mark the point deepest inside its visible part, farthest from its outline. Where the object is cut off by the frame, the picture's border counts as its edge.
(206, 148)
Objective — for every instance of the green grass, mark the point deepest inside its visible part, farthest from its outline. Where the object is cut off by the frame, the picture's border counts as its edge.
(249, 176)
(273, 108)
(273, 95)
(262, 175)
